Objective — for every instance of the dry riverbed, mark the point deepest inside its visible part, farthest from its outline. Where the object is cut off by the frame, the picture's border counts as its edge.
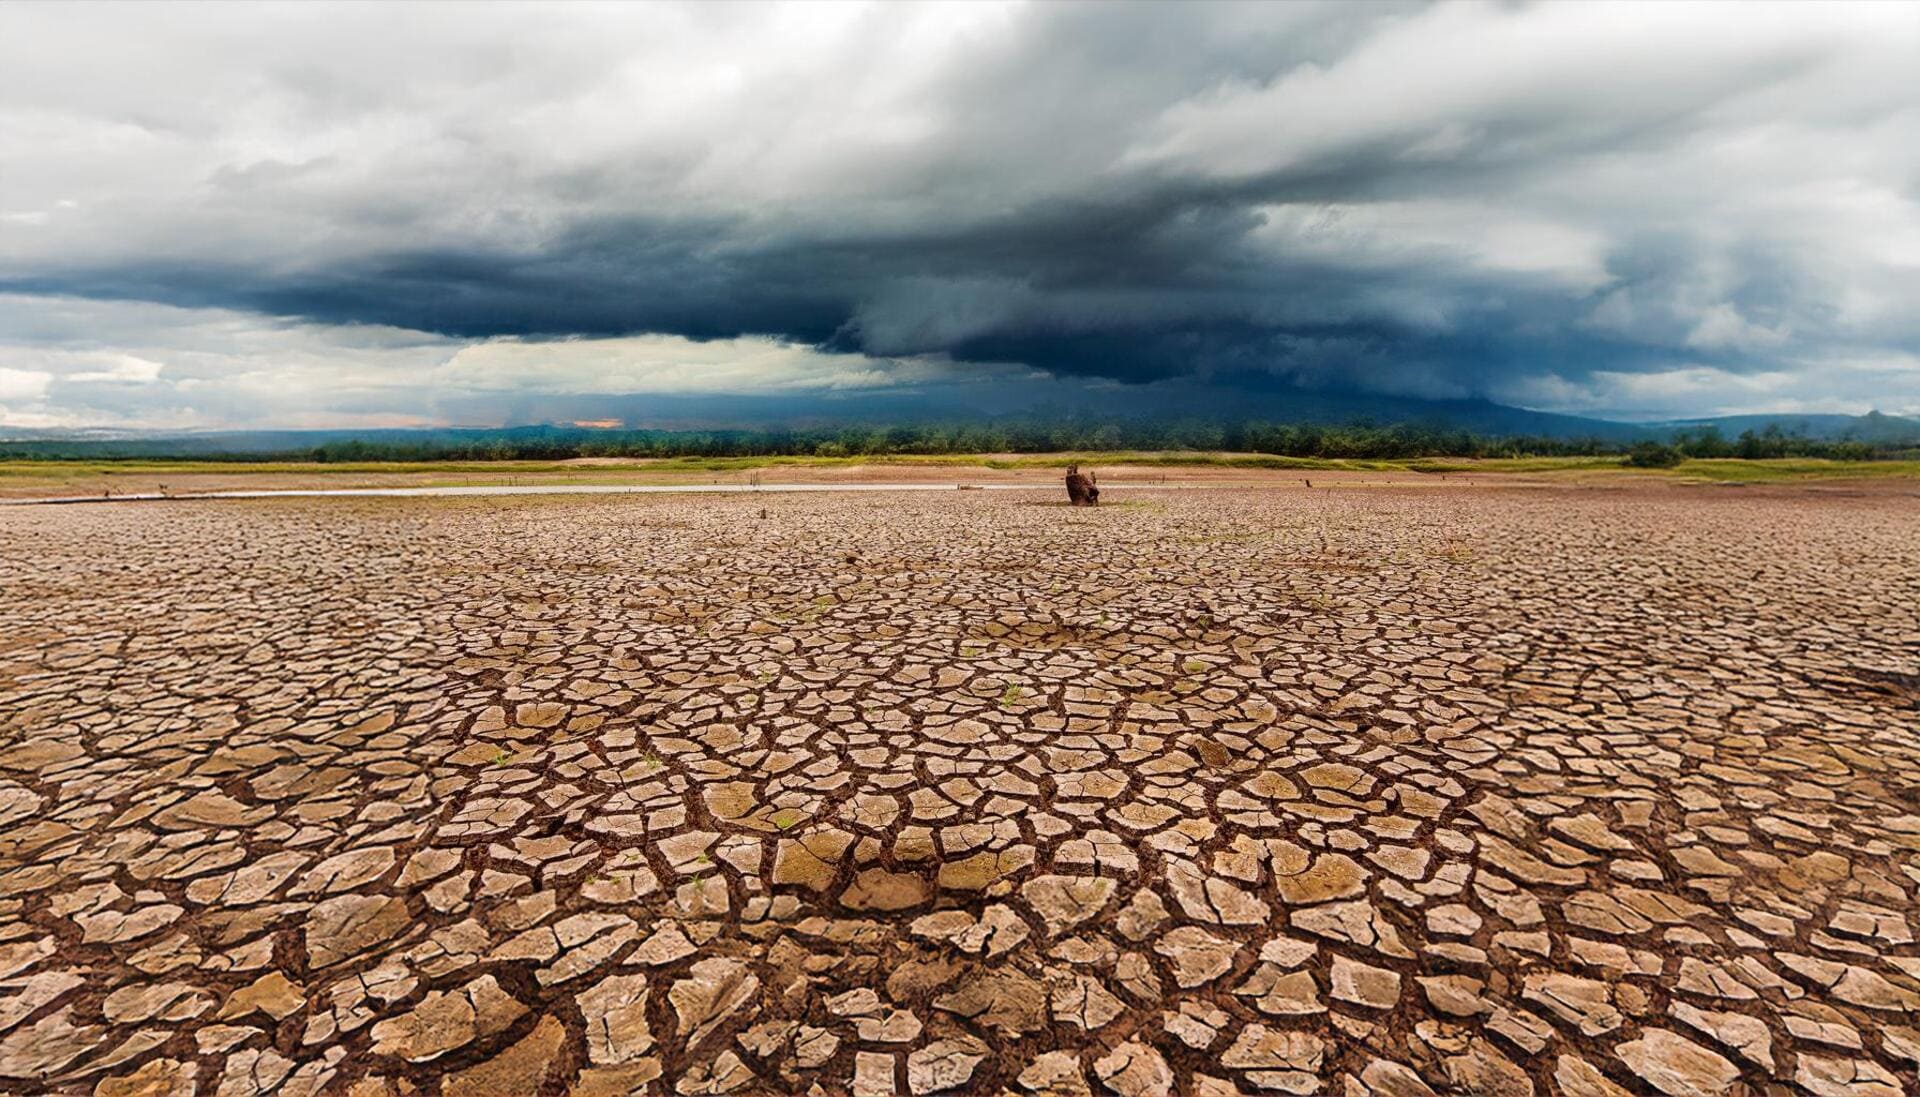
(1440, 786)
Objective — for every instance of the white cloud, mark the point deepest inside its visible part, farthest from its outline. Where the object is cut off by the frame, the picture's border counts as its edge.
(121, 369)
(1496, 240)
(207, 368)
(1672, 187)
(1497, 79)
(23, 384)
(1840, 385)
(1723, 328)
(660, 364)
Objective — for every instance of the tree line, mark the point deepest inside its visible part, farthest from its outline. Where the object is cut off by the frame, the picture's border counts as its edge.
(1353, 441)
(1750, 445)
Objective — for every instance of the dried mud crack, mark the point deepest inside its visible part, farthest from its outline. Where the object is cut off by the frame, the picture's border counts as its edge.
(1386, 793)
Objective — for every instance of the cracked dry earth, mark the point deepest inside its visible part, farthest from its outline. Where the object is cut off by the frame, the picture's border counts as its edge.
(1230, 791)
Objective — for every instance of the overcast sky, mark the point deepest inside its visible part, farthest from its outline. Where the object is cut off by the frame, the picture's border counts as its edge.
(330, 215)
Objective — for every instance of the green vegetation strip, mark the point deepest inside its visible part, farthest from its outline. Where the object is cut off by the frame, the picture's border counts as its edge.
(454, 473)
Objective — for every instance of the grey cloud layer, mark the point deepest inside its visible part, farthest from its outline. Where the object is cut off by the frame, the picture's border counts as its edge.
(1584, 207)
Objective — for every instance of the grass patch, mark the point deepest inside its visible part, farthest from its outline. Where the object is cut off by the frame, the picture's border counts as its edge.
(1175, 459)
(242, 468)
(1717, 469)
(1511, 464)
(589, 472)
(1734, 470)
(456, 473)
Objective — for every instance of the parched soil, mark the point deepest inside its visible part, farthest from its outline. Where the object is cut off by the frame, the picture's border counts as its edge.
(54, 479)
(1387, 792)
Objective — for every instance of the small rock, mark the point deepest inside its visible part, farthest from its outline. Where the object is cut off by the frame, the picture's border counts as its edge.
(1676, 1066)
(944, 1064)
(1135, 1070)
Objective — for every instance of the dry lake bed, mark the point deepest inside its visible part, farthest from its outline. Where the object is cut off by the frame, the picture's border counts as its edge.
(1370, 791)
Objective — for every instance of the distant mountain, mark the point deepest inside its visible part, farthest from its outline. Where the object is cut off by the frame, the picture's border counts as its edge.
(1183, 401)
(1332, 408)
(1873, 427)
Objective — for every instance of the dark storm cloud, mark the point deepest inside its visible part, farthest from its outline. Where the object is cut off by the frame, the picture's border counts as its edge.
(1572, 206)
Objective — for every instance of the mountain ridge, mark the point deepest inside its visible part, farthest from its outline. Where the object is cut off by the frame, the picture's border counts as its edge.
(1089, 408)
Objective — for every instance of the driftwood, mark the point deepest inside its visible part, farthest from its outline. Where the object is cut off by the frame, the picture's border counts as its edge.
(1082, 489)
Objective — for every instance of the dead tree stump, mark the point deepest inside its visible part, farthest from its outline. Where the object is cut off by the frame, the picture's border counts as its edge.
(1082, 490)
